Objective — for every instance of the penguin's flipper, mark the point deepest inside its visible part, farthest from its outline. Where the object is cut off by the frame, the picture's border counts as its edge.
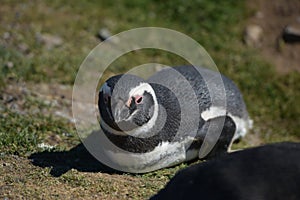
(225, 139)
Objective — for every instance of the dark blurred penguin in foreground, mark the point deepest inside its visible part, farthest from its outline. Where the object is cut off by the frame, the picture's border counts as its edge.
(263, 173)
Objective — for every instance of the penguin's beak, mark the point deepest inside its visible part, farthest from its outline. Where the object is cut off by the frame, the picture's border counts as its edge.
(120, 112)
(122, 117)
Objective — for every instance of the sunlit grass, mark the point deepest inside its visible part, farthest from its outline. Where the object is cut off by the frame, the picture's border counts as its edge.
(272, 98)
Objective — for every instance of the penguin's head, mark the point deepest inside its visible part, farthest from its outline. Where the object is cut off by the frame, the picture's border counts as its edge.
(127, 103)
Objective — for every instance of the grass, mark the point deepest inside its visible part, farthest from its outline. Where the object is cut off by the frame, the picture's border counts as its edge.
(272, 98)
(22, 134)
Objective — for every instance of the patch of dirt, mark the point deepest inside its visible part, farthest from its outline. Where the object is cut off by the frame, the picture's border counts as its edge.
(21, 180)
(33, 100)
(42, 98)
(273, 17)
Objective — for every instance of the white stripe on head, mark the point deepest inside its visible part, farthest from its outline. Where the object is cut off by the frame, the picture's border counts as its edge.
(144, 129)
(140, 89)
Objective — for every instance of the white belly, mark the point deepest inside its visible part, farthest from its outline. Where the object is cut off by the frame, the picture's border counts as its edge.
(164, 155)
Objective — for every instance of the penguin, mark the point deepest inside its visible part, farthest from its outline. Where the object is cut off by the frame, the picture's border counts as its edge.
(164, 120)
(271, 171)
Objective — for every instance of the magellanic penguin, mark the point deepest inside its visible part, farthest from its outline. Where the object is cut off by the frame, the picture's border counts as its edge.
(163, 121)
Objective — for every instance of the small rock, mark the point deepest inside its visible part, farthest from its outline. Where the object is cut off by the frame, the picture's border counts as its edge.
(5, 164)
(104, 34)
(6, 35)
(253, 35)
(9, 64)
(23, 48)
(291, 34)
(10, 99)
(50, 41)
(259, 15)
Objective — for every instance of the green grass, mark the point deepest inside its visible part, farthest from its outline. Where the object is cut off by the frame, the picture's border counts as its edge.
(79, 22)
(272, 98)
(21, 134)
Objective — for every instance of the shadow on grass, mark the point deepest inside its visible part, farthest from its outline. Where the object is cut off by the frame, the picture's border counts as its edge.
(77, 158)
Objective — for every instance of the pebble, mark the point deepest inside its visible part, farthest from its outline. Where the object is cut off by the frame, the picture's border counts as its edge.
(253, 35)
(259, 15)
(291, 34)
(9, 64)
(23, 48)
(6, 35)
(50, 41)
(5, 164)
(104, 34)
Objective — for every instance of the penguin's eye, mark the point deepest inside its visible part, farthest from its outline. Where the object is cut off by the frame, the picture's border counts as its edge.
(138, 99)
(106, 98)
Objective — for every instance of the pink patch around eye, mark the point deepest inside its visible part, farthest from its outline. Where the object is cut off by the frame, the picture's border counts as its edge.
(138, 99)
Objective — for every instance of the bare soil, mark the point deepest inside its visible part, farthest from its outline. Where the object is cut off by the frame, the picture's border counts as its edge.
(273, 17)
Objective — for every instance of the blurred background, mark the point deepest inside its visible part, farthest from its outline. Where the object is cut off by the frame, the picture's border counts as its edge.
(43, 43)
